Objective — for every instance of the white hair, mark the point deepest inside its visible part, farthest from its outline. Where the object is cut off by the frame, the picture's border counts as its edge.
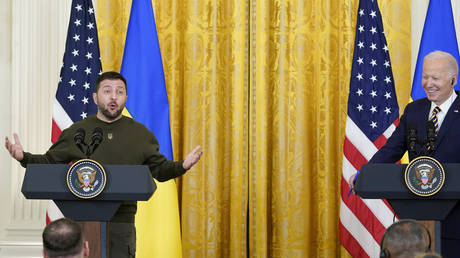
(452, 62)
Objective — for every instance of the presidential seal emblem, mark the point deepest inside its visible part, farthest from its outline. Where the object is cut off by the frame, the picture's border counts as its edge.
(86, 178)
(424, 176)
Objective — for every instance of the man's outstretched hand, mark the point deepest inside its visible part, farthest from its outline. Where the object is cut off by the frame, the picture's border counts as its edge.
(15, 149)
(192, 158)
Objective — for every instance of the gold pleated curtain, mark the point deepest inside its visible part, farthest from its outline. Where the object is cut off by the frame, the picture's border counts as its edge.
(262, 85)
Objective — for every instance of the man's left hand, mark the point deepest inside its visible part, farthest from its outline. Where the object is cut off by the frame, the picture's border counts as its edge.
(192, 158)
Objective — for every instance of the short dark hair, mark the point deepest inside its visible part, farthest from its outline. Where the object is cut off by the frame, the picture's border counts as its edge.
(428, 255)
(110, 76)
(405, 238)
(62, 237)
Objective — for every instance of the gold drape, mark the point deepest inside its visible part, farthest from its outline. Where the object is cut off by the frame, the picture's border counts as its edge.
(263, 87)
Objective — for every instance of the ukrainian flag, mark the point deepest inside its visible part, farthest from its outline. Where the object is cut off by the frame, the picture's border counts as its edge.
(438, 34)
(157, 221)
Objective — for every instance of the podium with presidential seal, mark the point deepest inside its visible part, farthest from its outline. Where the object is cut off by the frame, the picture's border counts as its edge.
(89, 191)
(424, 189)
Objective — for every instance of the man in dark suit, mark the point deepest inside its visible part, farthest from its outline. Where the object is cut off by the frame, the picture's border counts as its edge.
(440, 73)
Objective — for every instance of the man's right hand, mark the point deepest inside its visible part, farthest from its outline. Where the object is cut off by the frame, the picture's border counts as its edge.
(351, 184)
(15, 149)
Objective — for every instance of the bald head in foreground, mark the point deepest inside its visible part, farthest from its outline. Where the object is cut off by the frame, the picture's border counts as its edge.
(63, 238)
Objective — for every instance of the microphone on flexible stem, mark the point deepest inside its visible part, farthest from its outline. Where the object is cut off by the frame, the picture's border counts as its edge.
(96, 139)
(430, 136)
(79, 139)
(411, 138)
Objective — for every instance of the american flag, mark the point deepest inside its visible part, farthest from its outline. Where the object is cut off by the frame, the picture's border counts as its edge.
(80, 68)
(372, 117)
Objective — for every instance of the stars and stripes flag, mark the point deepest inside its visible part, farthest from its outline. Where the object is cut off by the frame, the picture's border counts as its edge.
(372, 117)
(80, 68)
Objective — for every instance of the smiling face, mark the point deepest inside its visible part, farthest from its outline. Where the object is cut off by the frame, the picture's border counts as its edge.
(110, 99)
(438, 79)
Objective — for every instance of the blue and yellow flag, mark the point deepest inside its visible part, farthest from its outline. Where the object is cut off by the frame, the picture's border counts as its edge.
(157, 221)
(438, 34)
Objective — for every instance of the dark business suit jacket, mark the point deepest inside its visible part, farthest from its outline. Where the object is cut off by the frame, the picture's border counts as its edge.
(447, 147)
(447, 143)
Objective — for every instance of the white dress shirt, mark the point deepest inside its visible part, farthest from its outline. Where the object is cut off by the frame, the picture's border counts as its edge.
(444, 108)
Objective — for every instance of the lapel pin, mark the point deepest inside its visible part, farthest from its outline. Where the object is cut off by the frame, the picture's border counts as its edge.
(456, 111)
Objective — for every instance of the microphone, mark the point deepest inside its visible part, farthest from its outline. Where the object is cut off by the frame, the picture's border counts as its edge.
(79, 138)
(97, 136)
(411, 137)
(430, 136)
(96, 139)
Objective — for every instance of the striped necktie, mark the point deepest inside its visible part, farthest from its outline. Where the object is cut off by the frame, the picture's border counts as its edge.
(434, 118)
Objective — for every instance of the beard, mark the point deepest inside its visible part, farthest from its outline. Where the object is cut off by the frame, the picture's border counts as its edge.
(105, 112)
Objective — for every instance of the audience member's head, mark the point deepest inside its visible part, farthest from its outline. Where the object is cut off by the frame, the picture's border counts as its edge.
(405, 238)
(64, 238)
(428, 255)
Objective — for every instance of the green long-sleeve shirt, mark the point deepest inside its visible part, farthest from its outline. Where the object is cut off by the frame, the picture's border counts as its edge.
(125, 142)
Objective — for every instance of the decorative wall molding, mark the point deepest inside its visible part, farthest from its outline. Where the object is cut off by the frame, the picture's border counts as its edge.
(36, 41)
(20, 249)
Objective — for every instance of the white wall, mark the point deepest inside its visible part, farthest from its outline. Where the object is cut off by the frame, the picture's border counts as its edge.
(33, 40)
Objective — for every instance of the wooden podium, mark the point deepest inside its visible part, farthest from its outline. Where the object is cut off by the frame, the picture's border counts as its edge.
(124, 183)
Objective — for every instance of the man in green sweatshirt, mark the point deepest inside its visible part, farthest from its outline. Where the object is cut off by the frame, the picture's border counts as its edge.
(126, 142)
